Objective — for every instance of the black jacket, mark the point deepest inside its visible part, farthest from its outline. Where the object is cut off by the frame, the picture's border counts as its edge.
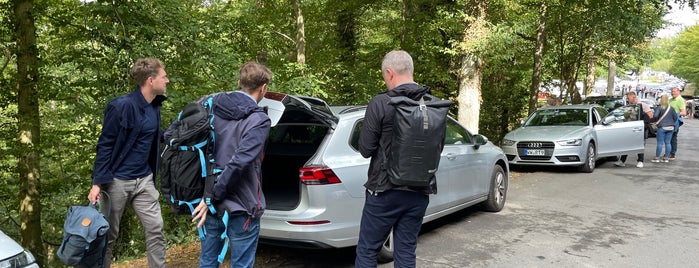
(377, 134)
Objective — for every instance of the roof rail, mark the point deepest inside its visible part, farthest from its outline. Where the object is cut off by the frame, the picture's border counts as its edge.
(353, 109)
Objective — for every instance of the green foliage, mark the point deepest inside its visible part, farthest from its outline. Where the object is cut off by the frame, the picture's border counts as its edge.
(685, 61)
(87, 48)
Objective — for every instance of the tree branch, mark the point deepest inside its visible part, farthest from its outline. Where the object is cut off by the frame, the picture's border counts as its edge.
(526, 37)
(286, 36)
(8, 58)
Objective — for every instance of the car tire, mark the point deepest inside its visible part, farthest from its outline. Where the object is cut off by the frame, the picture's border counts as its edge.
(385, 255)
(498, 190)
(590, 157)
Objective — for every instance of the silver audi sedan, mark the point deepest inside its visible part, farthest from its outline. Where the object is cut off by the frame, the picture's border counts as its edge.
(313, 174)
(575, 135)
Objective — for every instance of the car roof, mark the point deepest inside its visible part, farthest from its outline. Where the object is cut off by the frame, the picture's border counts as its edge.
(574, 106)
(605, 97)
(8, 247)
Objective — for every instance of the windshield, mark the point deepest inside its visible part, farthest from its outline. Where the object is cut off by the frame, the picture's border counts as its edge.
(559, 117)
(609, 104)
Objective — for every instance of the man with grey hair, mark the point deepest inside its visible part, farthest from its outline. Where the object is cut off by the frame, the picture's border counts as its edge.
(127, 157)
(677, 103)
(388, 206)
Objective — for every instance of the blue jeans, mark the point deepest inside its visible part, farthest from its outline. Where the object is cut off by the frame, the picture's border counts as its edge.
(401, 210)
(243, 233)
(674, 137)
(663, 137)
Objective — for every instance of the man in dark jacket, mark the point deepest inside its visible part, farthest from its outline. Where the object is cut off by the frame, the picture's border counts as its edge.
(241, 128)
(127, 157)
(389, 206)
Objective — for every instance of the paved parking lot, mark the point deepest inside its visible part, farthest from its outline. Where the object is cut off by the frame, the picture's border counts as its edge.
(614, 217)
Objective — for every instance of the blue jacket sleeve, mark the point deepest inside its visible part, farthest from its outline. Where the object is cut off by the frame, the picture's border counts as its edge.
(102, 172)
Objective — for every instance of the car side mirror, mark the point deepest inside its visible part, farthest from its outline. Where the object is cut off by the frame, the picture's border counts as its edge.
(608, 120)
(479, 140)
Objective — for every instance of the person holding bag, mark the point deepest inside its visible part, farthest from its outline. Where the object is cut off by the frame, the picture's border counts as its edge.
(666, 126)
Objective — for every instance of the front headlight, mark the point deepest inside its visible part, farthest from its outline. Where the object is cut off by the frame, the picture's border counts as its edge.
(571, 142)
(506, 142)
(20, 260)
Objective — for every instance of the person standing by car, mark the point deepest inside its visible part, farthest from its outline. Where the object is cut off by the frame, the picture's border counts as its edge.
(666, 126)
(127, 158)
(388, 206)
(647, 115)
(241, 128)
(678, 104)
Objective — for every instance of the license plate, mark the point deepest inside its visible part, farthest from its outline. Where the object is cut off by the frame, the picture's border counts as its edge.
(534, 152)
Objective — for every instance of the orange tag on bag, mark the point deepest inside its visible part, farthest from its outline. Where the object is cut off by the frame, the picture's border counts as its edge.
(86, 222)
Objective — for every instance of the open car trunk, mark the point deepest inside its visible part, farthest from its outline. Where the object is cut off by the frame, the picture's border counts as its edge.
(299, 125)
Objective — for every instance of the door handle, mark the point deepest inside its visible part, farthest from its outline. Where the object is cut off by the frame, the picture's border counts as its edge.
(451, 156)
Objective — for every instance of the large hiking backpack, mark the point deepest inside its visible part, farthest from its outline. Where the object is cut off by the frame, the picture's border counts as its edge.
(187, 172)
(85, 237)
(419, 128)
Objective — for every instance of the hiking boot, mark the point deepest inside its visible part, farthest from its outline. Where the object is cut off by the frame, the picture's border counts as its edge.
(618, 163)
(639, 164)
(655, 160)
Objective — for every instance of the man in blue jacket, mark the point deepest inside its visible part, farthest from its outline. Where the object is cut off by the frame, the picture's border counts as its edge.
(127, 157)
(241, 128)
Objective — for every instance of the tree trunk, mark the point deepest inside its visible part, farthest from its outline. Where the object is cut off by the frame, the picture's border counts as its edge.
(300, 35)
(538, 57)
(610, 77)
(470, 93)
(28, 126)
(469, 97)
(347, 45)
(590, 70)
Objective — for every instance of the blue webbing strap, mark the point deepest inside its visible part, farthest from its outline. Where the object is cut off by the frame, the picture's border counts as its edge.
(190, 204)
(211, 207)
(224, 236)
(202, 160)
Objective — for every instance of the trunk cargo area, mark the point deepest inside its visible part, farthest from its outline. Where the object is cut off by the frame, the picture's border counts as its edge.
(288, 149)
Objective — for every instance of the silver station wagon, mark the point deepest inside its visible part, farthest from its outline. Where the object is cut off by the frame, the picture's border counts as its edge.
(313, 174)
(575, 135)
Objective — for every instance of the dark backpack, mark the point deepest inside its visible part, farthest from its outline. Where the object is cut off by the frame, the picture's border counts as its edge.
(419, 128)
(85, 237)
(187, 173)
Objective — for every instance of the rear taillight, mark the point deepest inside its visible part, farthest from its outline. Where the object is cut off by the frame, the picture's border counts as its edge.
(317, 175)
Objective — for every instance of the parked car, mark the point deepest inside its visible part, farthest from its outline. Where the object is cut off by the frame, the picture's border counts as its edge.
(13, 255)
(608, 102)
(575, 135)
(313, 174)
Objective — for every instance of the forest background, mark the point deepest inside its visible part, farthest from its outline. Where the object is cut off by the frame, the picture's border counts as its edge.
(63, 60)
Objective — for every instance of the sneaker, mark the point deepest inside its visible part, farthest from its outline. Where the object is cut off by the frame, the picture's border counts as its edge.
(639, 164)
(655, 160)
(665, 160)
(672, 157)
(618, 163)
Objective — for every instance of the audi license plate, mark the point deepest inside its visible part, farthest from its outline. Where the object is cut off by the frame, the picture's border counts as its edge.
(534, 152)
